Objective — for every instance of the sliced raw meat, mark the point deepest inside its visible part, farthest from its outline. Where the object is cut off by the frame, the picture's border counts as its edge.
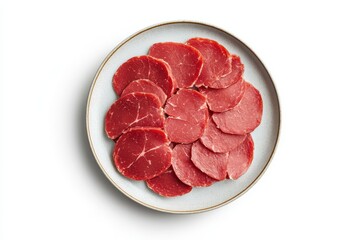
(241, 158)
(185, 61)
(245, 117)
(145, 86)
(221, 100)
(142, 153)
(133, 109)
(144, 67)
(217, 60)
(168, 184)
(185, 104)
(218, 141)
(185, 169)
(188, 115)
(180, 131)
(213, 164)
(237, 71)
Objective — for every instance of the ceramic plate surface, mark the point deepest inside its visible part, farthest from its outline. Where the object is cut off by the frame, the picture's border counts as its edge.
(102, 95)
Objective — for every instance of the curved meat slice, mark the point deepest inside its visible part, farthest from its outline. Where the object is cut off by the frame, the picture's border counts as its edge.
(236, 73)
(188, 115)
(181, 131)
(185, 61)
(168, 184)
(185, 104)
(142, 153)
(218, 141)
(144, 67)
(221, 100)
(245, 116)
(240, 158)
(217, 60)
(185, 169)
(145, 86)
(131, 110)
(213, 164)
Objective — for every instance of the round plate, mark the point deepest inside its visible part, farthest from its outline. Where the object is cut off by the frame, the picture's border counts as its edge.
(102, 95)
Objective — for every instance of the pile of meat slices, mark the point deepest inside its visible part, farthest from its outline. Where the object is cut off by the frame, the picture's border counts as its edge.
(183, 117)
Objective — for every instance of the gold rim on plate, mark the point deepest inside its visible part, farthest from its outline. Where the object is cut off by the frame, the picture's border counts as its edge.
(137, 200)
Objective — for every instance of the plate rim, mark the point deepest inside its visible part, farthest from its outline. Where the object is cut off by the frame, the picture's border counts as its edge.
(117, 47)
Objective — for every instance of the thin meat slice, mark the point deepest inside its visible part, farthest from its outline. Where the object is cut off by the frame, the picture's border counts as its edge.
(218, 141)
(236, 73)
(221, 100)
(185, 61)
(168, 184)
(217, 60)
(185, 104)
(144, 67)
(145, 86)
(131, 110)
(213, 164)
(240, 158)
(245, 116)
(180, 131)
(188, 115)
(185, 169)
(142, 153)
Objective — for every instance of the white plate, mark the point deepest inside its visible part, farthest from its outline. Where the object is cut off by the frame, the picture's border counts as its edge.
(102, 95)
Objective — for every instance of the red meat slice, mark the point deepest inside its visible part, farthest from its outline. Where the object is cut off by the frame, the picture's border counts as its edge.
(221, 100)
(142, 153)
(185, 61)
(144, 67)
(236, 73)
(134, 109)
(180, 131)
(245, 117)
(168, 184)
(213, 164)
(218, 141)
(240, 158)
(185, 169)
(145, 86)
(217, 60)
(188, 115)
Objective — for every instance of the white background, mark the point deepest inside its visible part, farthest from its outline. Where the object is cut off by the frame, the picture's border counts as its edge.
(51, 186)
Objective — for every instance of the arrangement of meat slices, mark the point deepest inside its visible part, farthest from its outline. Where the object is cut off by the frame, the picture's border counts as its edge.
(184, 116)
